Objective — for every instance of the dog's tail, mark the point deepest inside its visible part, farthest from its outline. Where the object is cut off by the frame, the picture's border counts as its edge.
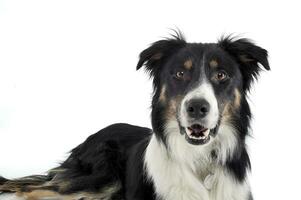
(34, 187)
(22, 184)
(2, 180)
(40, 187)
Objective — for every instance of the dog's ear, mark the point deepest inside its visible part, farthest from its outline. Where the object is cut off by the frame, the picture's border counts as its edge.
(154, 56)
(248, 56)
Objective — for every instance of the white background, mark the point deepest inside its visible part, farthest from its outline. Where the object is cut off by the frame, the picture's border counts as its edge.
(67, 69)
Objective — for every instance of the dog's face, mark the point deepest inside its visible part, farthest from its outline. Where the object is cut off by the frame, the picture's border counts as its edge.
(197, 83)
(200, 86)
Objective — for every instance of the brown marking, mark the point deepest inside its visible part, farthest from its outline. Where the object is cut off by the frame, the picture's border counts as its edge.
(40, 194)
(188, 64)
(56, 170)
(231, 107)
(162, 96)
(227, 113)
(237, 99)
(171, 111)
(157, 56)
(47, 194)
(63, 186)
(245, 58)
(213, 63)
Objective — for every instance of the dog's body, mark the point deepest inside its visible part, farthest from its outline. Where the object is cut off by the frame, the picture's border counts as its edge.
(196, 149)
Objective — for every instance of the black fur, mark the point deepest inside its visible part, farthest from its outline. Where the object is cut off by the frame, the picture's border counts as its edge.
(2, 180)
(248, 55)
(103, 158)
(114, 156)
(154, 58)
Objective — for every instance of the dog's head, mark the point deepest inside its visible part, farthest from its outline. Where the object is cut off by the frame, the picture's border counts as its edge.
(201, 85)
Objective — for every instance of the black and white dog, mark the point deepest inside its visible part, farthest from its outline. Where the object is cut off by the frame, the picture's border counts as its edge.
(196, 148)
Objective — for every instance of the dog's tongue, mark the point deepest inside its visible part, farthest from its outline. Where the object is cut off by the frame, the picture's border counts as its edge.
(197, 129)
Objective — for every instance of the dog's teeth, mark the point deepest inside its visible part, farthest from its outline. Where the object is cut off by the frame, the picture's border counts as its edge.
(206, 133)
(197, 138)
(189, 132)
(204, 136)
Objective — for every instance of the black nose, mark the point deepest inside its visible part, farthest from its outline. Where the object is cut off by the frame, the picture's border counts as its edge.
(197, 108)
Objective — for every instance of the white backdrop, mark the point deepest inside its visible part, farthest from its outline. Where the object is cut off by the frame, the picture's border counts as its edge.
(67, 69)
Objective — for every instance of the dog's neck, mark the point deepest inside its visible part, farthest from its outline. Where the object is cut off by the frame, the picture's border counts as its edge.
(176, 167)
(217, 151)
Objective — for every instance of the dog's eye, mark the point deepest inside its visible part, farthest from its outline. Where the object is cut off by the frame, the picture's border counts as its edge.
(221, 76)
(180, 75)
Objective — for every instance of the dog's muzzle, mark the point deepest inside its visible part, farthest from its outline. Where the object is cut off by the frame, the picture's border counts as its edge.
(196, 132)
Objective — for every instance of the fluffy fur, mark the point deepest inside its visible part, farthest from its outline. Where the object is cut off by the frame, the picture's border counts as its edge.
(186, 155)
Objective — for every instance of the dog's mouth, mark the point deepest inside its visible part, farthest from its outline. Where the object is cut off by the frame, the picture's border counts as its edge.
(197, 134)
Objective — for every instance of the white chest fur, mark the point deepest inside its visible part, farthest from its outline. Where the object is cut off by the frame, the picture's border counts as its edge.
(186, 172)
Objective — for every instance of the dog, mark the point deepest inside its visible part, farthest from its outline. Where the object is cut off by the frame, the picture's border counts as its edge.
(196, 148)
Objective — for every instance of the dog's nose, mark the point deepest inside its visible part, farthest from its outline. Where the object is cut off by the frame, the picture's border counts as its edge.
(197, 108)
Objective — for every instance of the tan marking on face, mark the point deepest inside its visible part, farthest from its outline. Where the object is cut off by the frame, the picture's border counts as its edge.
(231, 107)
(213, 63)
(171, 111)
(188, 64)
(162, 96)
(227, 113)
(237, 99)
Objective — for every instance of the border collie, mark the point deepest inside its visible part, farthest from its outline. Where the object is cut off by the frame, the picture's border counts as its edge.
(196, 149)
